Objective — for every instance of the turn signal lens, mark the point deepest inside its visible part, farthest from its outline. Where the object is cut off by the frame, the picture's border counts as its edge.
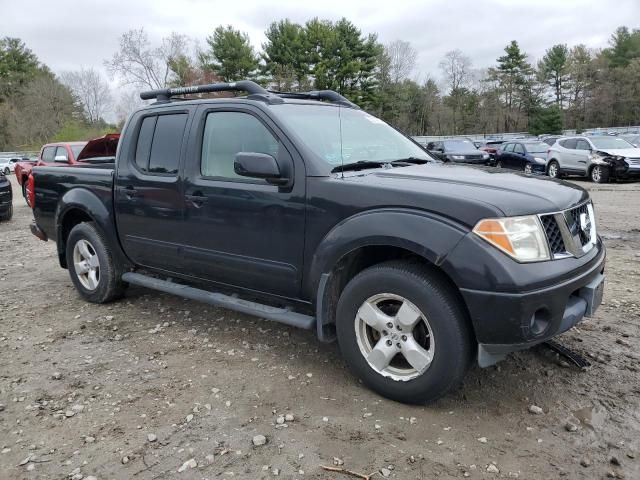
(522, 238)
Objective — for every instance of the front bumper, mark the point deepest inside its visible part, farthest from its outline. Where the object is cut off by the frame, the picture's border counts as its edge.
(507, 322)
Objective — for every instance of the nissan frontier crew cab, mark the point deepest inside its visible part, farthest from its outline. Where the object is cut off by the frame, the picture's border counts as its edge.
(303, 209)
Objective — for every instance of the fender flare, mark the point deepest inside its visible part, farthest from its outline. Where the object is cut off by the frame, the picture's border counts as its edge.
(90, 204)
(425, 234)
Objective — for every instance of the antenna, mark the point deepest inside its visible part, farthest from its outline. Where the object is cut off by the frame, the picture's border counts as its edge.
(341, 152)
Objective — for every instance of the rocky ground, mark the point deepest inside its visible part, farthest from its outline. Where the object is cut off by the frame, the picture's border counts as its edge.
(154, 386)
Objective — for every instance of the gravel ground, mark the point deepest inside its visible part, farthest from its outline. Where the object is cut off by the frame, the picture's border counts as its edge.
(154, 386)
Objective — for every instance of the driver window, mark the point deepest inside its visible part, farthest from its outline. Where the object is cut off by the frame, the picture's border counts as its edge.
(228, 133)
(518, 149)
(583, 145)
(61, 152)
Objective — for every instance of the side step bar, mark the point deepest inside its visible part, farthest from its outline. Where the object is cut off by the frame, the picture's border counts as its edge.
(276, 314)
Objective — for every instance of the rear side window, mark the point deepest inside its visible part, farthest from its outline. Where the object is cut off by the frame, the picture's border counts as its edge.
(228, 133)
(159, 143)
(48, 154)
(568, 143)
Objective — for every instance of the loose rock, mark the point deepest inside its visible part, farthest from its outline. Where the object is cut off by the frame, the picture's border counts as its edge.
(536, 410)
(259, 440)
(151, 437)
(492, 468)
(191, 463)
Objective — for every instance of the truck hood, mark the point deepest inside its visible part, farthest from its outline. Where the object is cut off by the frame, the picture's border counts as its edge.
(622, 152)
(509, 193)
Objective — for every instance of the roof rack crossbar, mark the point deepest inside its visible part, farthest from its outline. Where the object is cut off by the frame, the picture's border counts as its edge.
(328, 95)
(165, 94)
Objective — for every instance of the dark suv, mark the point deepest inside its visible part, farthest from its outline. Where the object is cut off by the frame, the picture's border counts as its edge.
(458, 151)
(303, 209)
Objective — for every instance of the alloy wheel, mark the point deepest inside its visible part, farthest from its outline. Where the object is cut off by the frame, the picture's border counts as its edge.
(527, 169)
(553, 170)
(394, 337)
(596, 174)
(86, 264)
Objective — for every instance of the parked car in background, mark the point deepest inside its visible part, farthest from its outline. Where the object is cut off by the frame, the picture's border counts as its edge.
(491, 147)
(632, 139)
(69, 153)
(550, 139)
(599, 157)
(8, 164)
(458, 151)
(6, 198)
(528, 157)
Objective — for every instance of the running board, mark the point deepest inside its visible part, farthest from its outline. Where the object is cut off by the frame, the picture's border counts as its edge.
(276, 314)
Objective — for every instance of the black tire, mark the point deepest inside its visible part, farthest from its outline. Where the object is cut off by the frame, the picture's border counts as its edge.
(599, 174)
(110, 287)
(24, 188)
(7, 171)
(7, 216)
(499, 164)
(528, 168)
(550, 170)
(435, 298)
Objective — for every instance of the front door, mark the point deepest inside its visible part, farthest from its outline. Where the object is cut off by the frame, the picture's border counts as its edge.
(242, 231)
(582, 152)
(148, 192)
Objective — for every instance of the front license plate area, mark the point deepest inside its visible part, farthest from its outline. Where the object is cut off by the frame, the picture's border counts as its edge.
(593, 293)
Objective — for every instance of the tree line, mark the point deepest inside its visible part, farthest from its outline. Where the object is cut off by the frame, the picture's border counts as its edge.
(569, 87)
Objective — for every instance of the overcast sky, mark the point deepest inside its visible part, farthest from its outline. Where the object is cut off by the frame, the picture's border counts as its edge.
(68, 34)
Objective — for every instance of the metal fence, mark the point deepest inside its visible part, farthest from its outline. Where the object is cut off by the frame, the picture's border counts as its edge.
(424, 139)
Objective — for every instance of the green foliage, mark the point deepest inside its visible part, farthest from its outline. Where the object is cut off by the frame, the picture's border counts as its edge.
(284, 55)
(555, 68)
(18, 66)
(546, 120)
(625, 46)
(230, 54)
(75, 130)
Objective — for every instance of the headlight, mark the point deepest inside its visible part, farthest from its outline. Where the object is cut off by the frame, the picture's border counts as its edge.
(539, 159)
(457, 157)
(522, 238)
(485, 156)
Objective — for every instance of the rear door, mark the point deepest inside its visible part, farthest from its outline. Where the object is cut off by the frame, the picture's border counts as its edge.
(148, 193)
(242, 231)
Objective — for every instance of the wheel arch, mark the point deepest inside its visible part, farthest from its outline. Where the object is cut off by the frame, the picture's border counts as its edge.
(78, 206)
(342, 255)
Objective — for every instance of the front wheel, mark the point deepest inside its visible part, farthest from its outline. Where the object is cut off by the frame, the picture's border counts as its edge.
(91, 265)
(499, 164)
(599, 174)
(528, 169)
(7, 171)
(403, 331)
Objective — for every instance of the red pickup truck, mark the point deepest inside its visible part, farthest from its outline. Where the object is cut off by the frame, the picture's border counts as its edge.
(68, 154)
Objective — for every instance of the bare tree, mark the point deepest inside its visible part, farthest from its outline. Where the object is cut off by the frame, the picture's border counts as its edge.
(128, 101)
(91, 91)
(456, 68)
(402, 60)
(138, 63)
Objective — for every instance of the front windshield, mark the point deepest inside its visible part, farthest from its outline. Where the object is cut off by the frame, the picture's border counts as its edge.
(364, 137)
(459, 145)
(610, 142)
(538, 147)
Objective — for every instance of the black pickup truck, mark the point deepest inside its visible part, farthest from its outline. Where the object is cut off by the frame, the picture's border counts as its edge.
(303, 209)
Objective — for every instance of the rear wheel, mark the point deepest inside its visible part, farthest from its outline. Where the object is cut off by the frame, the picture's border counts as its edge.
(554, 169)
(91, 266)
(599, 174)
(403, 331)
(499, 164)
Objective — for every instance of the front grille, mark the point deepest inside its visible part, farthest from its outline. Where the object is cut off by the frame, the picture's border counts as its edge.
(575, 227)
(554, 235)
(633, 161)
(569, 233)
(473, 157)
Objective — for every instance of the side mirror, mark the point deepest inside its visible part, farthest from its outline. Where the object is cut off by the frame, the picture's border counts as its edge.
(258, 165)
(60, 159)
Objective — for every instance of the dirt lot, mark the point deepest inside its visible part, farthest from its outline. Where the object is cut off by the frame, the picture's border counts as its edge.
(137, 388)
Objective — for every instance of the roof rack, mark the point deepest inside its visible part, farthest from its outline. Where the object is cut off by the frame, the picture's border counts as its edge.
(254, 90)
(328, 95)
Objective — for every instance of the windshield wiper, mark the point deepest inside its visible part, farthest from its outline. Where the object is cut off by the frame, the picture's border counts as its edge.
(359, 165)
